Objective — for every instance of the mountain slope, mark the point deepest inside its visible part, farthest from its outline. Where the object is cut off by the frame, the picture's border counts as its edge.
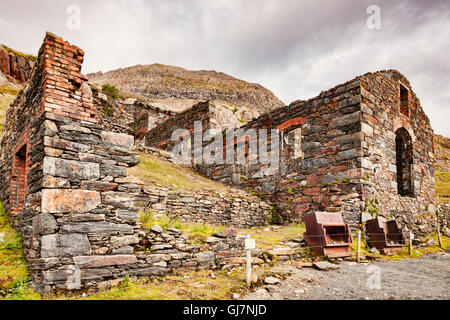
(442, 167)
(15, 66)
(177, 89)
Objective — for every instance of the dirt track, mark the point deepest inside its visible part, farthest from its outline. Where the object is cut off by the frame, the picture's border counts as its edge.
(424, 278)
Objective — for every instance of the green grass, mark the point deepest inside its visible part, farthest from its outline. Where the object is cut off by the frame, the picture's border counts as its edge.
(111, 91)
(193, 230)
(9, 90)
(13, 270)
(155, 170)
(185, 285)
(5, 101)
(267, 239)
(194, 285)
(442, 185)
(403, 253)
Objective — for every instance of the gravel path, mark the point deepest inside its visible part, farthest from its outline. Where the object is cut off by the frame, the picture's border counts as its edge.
(424, 278)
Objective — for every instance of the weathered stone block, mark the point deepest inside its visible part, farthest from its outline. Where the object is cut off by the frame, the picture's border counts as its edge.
(113, 170)
(117, 242)
(98, 185)
(64, 245)
(73, 170)
(71, 275)
(69, 201)
(205, 258)
(101, 227)
(366, 129)
(349, 154)
(118, 199)
(55, 183)
(345, 120)
(118, 140)
(151, 271)
(104, 261)
(44, 224)
(65, 144)
(128, 216)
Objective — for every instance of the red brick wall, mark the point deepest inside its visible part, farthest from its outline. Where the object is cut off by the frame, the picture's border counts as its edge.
(62, 80)
(19, 171)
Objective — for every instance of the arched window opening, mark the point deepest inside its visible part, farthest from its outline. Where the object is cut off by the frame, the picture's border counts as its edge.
(404, 155)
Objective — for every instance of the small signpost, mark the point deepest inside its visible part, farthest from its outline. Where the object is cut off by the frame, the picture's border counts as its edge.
(439, 234)
(411, 237)
(249, 246)
(358, 248)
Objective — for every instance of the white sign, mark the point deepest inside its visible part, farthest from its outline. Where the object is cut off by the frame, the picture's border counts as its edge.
(250, 244)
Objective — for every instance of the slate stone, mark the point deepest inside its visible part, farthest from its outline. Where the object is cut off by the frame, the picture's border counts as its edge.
(205, 258)
(64, 245)
(113, 170)
(44, 224)
(104, 261)
(72, 170)
(101, 227)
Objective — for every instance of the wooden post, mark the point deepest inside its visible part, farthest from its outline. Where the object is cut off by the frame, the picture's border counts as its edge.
(249, 245)
(358, 247)
(439, 234)
(410, 242)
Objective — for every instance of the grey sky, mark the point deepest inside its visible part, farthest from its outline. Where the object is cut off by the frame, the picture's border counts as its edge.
(294, 48)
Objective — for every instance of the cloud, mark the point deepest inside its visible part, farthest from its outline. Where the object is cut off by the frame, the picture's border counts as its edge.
(294, 48)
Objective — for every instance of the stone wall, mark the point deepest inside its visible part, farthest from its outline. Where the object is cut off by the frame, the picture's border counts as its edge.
(229, 208)
(212, 115)
(339, 153)
(383, 115)
(129, 116)
(160, 136)
(323, 174)
(64, 183)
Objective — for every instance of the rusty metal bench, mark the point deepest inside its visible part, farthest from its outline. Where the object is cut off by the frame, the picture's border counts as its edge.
(327, 234)
(384, 235)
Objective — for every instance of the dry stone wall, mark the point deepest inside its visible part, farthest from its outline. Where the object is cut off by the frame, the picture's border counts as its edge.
(237, 208)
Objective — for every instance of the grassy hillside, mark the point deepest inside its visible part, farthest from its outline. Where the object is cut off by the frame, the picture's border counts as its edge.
(442, 173)
(7, 95)
(156, 170)
(13, 270)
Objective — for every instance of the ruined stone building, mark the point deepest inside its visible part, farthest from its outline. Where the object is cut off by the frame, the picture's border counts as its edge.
(64, 184)
(362, 148)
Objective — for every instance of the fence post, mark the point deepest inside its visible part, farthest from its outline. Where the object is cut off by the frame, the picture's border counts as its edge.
(249, 245)
(439, 234)
(410, 242)
(358, 247)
